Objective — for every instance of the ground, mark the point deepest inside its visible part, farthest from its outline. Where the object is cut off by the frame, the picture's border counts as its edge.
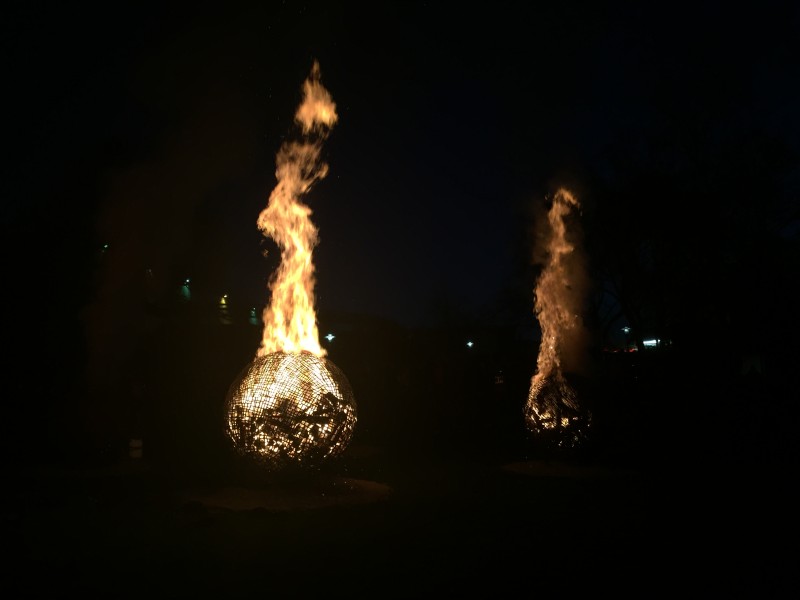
(399, 526)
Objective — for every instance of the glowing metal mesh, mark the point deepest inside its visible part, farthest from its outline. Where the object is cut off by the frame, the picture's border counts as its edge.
(289, 410)
(552, 413)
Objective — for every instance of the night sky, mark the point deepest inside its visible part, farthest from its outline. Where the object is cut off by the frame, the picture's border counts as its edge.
(160, 128)
(155, 131)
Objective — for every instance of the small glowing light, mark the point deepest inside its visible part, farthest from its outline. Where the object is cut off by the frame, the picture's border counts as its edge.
(330, 337)
(224, 299)
(470, 344)
(626, 329)
(186, 293)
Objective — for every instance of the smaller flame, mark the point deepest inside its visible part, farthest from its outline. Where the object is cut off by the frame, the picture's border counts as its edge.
(555, 305)
(552, 403)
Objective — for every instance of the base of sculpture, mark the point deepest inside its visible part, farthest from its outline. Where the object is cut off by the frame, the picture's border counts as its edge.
(290, 412)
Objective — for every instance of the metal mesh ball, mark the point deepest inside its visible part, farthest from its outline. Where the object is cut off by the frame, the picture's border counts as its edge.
(553, 415)
(288, 410)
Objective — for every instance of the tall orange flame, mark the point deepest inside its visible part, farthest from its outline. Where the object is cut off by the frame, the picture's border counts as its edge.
(290, 322)
(556, 305)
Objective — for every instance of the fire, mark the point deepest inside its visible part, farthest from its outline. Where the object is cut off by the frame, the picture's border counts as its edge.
(552, 405)
(290, 322)
(292, 407)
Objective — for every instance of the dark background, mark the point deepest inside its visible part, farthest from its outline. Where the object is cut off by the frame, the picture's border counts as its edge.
(153, 129)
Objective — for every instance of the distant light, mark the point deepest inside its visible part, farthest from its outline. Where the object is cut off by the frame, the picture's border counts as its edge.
(224, 299)
(330, 337)
(470, 344)
(186, 293)
(626, 329)
(651, 342)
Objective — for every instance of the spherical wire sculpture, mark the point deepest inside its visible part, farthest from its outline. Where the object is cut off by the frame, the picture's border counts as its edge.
(290, 411)
(554, 416)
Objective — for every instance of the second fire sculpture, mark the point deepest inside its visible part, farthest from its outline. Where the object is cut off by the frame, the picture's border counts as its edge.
(553, 411)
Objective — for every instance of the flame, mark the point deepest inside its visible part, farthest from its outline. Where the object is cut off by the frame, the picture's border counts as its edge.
(554, 305)
(290, 322)
(291, 406)
(552, 402)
